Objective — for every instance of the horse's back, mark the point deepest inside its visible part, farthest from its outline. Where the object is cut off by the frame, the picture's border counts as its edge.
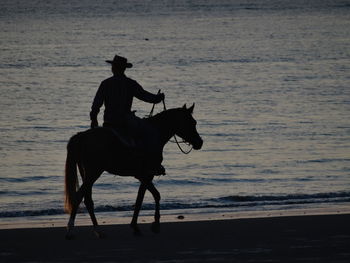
(107, 149)
(104, 139)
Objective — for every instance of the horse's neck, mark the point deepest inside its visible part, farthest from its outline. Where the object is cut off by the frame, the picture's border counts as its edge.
(164, 122)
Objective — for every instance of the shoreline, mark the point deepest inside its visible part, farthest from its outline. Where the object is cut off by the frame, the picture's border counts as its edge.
(307, 238)
(167, 216)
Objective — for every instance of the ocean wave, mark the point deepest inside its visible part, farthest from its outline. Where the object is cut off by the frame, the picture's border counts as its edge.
(324, 160)
(43, 212)
(175, 182)
(23, 179)
(296, 198)
(236, 201)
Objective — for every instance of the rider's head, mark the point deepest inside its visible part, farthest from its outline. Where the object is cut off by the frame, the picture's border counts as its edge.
(119, 64)
(117, 69)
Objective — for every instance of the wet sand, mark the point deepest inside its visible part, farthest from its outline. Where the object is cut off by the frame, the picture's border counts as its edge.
(317, 238)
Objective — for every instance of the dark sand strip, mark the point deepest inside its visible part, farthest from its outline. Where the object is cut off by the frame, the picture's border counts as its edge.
(321, 238)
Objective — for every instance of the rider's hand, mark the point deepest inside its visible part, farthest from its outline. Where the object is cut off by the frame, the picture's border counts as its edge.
(94, 124)
(161, 96)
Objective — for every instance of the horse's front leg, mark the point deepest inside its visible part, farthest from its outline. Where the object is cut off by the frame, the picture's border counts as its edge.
(138, 204)
(156, 224)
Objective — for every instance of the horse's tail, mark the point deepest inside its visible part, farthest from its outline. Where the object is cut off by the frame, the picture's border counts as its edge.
(71, 176)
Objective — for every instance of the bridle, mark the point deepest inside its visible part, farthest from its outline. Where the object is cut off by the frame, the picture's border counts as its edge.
(175, 139)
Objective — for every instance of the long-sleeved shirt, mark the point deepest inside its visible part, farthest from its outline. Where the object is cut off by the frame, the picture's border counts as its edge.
(117, 93)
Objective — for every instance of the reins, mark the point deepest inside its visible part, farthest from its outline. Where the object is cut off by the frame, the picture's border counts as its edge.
(175, 139)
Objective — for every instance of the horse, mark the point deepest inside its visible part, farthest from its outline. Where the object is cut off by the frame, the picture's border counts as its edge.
(99, 149)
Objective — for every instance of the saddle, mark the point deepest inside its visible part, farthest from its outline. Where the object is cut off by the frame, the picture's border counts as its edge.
(142, 152)
(127, 141)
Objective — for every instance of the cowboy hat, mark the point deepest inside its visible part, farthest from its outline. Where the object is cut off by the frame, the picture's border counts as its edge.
(120, 61)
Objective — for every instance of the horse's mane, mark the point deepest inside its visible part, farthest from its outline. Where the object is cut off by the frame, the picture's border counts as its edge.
(164, 117)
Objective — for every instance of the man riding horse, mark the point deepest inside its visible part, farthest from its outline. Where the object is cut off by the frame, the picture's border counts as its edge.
(117, 93)
(109, 149)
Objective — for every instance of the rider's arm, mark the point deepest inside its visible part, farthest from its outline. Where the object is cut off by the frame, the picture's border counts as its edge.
(146, 96)
(96, 105)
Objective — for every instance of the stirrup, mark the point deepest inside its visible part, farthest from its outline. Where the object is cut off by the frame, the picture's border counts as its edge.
(157, 171)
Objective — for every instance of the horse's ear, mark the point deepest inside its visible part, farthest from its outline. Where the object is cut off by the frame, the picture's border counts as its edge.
(190, 109)
(184, 106)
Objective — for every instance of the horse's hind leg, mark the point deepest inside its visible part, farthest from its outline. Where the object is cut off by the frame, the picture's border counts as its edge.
(80, 194)
(89, 176)
(89, 203)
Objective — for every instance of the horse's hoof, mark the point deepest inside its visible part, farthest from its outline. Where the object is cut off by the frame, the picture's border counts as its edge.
(99, 234)
(155, 227)
(136, 231)
(69, 236)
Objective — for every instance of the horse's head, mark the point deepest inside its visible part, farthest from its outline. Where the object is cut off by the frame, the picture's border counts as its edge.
(186, 128)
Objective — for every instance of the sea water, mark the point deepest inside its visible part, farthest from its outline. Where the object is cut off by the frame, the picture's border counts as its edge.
(269, 79)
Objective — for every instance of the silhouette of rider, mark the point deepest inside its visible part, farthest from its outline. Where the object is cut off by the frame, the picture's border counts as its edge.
(117, 93)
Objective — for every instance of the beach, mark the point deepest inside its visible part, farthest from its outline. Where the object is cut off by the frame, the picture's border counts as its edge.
(270, 83)
(314, 238)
